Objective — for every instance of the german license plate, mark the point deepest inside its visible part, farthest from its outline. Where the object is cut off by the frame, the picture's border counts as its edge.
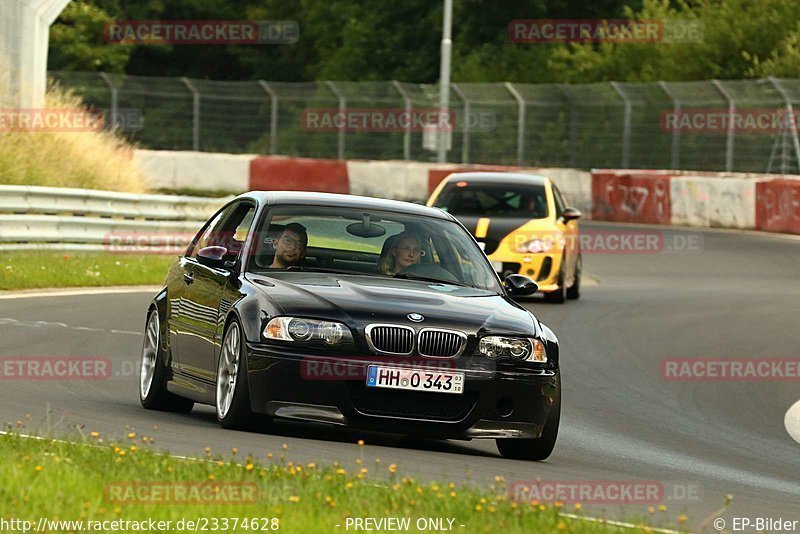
(379, 376)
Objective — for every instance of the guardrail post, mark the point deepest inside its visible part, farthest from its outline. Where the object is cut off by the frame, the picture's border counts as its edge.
(467, 110)
(273, 117)
(626, 125)
(114, 98)
(407, 134)
(343, 111)
(675, 155)
(731, 132)
(520, 122)
(195, 113)
(791, 122)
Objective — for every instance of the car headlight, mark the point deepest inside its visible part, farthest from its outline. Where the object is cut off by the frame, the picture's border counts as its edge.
(516, 348)
(306, 330)
(536, 246)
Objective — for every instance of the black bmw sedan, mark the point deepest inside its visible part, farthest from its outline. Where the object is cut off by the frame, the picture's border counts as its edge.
(374, 314)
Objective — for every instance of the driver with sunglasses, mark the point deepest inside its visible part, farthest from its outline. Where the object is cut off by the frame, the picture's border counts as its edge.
(290, 247)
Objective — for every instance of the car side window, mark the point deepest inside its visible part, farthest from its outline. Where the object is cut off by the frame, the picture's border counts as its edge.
(233, 231)
(205, 237)
(558, 200)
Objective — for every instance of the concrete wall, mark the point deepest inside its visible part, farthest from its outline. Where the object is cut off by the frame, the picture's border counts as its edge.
(717, 202)
(196, 170)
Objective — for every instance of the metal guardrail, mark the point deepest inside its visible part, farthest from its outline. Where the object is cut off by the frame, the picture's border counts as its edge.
(34, 217)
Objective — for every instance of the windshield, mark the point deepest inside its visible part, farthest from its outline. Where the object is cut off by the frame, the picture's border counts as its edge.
(373, 243)
(494, 200)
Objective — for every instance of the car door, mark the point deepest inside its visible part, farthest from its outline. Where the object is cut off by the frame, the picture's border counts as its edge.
(202, 301)
(181, 323)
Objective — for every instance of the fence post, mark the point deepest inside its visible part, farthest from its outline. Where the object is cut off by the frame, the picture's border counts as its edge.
(731, 112)
(520, 122)
(675, 157)
(342, 110)
(195, 113)
(467, 110)
(114, 99)
(791, 122)
(273, 117)
(407, 134)
(626, 125)
(573, 126)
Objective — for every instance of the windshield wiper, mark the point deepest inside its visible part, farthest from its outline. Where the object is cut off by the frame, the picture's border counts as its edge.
(407, 276)
(309, 269)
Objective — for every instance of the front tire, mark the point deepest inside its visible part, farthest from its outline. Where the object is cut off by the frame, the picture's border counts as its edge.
(560, 294)
(574, 292)
(154, 375)
(536, 449)
(232, 391)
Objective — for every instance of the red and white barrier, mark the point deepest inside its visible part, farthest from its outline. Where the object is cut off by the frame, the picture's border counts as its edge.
(735, 200)
(278, 173)
(704, 199)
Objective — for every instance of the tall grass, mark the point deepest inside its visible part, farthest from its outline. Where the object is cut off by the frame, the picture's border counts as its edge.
(92, 160)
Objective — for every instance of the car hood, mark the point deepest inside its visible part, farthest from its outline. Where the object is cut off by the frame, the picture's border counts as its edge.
(360, 300)
(499, 228)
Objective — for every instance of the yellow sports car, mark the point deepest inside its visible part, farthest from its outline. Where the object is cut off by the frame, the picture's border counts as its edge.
(523, 225)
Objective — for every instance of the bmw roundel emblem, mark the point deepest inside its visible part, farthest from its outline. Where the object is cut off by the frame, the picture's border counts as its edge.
(417, 318)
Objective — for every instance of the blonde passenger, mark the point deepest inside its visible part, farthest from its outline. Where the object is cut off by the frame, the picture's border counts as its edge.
(406, 250)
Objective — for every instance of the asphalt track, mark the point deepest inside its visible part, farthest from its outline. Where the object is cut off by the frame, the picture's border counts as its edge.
(737, 296)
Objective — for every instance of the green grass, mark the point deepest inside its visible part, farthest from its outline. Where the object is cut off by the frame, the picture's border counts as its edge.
(71, 481)
(38, 269)
(192, 192)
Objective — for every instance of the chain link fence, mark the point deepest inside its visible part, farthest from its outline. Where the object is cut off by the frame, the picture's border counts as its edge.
(744, 126)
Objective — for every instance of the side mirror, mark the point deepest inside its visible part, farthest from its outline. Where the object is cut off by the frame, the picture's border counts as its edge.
(571, 214)
(519, 285)
(212, 256)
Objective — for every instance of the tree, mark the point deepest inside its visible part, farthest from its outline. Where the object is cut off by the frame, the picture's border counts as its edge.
(77, 42)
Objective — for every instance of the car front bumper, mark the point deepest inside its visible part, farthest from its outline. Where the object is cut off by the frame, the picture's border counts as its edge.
(543, 267)
(496, 403)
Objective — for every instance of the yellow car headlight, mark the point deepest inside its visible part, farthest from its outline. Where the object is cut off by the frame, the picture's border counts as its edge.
(536, 246)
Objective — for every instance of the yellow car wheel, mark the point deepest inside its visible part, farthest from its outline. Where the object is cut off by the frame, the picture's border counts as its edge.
(574, 292)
